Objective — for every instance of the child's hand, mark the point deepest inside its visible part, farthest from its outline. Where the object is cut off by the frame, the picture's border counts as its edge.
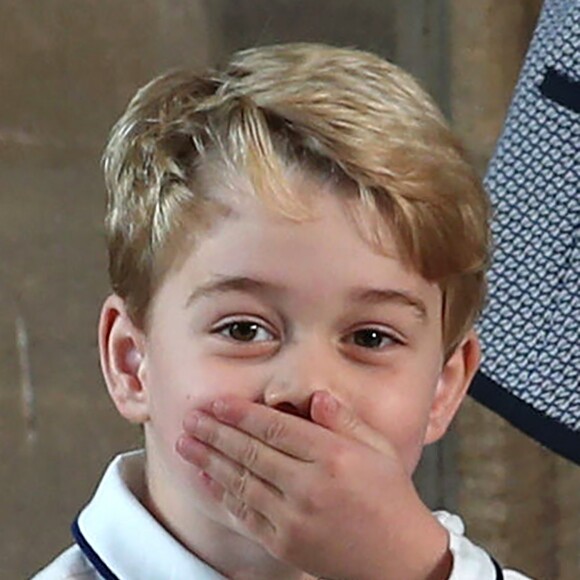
(332, 498)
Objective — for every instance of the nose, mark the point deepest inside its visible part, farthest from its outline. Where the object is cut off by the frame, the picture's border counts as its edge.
(298, 374)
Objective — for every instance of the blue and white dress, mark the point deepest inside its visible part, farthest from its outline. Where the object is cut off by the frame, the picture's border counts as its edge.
(530, 373)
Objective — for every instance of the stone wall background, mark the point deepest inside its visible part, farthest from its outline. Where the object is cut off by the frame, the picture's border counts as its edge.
(67, 69)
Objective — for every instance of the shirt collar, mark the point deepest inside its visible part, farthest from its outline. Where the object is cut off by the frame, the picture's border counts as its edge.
(123, 540)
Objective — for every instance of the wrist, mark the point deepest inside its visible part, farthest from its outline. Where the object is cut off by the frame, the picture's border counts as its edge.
(421, 550)
(433, 559)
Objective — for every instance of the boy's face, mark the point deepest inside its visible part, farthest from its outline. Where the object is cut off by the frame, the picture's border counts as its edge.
(272, 310)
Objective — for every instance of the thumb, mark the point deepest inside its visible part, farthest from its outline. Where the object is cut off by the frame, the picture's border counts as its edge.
(327, 411)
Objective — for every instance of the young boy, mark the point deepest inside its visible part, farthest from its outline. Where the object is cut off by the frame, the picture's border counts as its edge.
(297, 253)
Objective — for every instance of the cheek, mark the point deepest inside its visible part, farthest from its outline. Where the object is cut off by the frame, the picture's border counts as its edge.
(178, 384)
(404, 427)
(400, 412)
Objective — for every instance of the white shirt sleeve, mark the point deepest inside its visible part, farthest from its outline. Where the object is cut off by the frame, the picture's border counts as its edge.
(470, 562)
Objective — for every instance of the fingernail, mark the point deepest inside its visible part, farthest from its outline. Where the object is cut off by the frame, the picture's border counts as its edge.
(191, 421)
(191, 450)
(331, 403)
(218, 408)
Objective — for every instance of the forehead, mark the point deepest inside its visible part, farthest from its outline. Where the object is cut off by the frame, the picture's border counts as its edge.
(317, 255)
(313, 209)
(300, 194)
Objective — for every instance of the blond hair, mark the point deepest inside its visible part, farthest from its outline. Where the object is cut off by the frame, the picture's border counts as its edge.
(341, 113)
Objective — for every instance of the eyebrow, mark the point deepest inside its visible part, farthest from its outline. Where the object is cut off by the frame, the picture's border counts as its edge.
(372, 296)
(223, 284)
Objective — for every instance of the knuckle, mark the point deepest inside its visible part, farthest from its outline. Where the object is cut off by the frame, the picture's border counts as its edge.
(350, 421)
(249, 454)
(275, 432)
(285, 545)
(295, 531)
(239, 509)
(240, 483)
(338, 462)
(315, 500)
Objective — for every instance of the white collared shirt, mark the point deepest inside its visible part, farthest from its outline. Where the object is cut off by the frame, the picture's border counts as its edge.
(118, 539)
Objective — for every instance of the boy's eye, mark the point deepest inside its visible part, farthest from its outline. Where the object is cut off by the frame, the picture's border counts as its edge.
(245, 331)
(372, 338)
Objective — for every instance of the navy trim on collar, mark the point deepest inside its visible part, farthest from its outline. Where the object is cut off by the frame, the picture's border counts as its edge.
(498, 571)
(91, 555)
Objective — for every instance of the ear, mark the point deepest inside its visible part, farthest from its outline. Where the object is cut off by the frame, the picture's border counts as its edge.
(121, 348)
(455, 378)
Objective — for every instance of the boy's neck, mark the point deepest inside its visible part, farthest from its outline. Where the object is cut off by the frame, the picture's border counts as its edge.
(225, 550)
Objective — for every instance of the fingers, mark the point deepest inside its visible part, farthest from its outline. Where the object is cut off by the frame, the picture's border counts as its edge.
(328, 412)
(291, 435)
(244, 495)
(255, 522)
(241, 449)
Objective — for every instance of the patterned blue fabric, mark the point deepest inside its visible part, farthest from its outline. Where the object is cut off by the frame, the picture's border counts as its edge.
(530, 372)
